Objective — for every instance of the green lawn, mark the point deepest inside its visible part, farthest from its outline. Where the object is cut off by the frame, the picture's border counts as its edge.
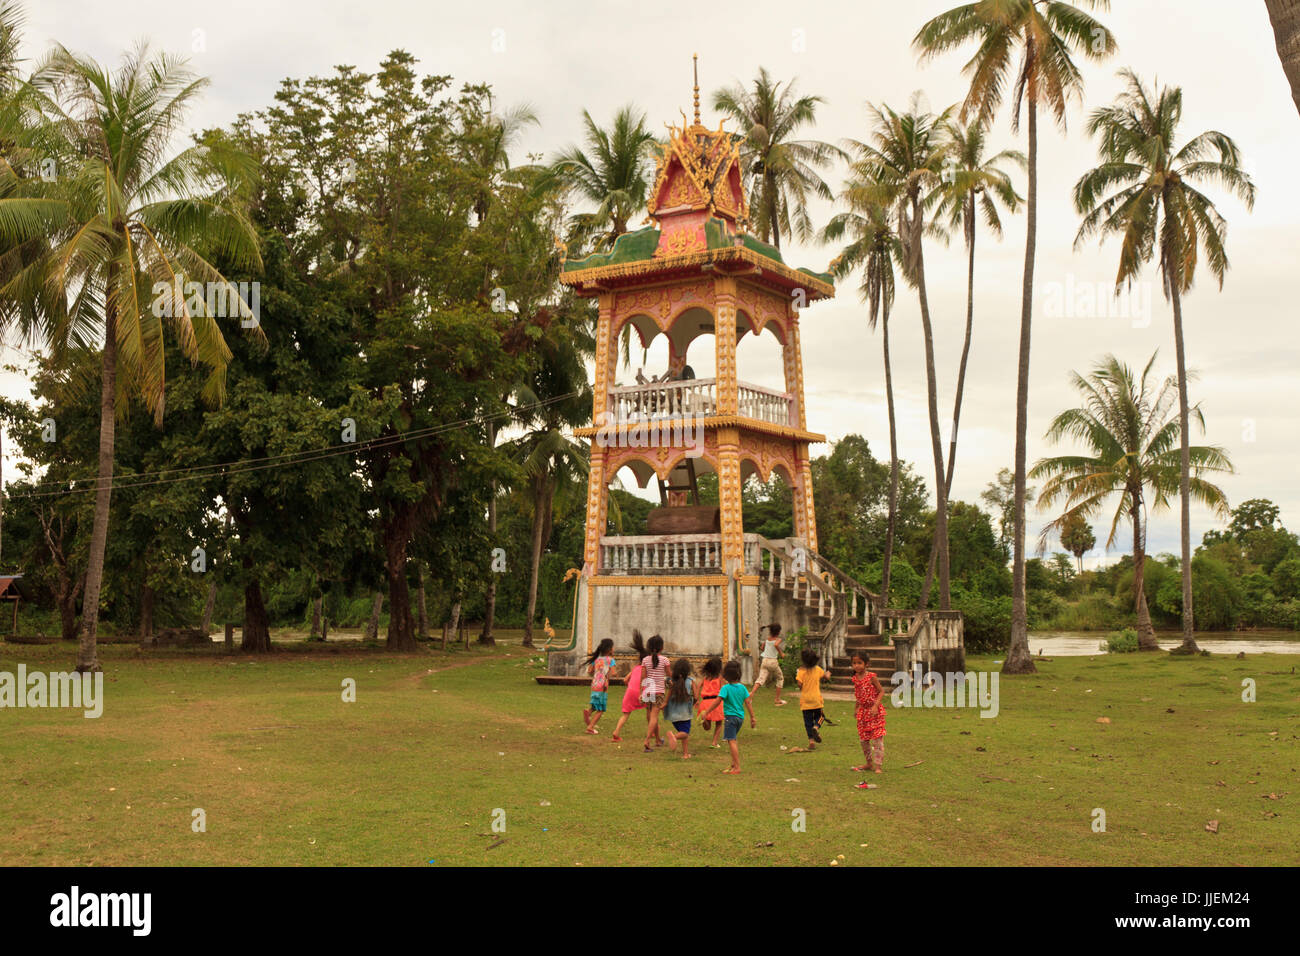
(413, 771)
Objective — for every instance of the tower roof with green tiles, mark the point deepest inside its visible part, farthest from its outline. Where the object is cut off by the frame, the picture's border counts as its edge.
(699, 212)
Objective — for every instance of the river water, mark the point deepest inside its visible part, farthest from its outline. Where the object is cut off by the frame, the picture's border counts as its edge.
(1091, 643)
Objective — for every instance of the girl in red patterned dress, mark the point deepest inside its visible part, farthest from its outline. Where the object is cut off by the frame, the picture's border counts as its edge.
(871, 715)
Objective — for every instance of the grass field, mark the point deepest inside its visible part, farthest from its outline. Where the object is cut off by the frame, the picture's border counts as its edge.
(413, 771)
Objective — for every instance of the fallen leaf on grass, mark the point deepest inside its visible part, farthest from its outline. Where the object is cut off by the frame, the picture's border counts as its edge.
(493, 846)
(1103, 720)
(917, 764)
(1212, 826)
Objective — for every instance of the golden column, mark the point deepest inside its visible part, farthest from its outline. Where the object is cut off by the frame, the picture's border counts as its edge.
(597, 500)
(724, 334)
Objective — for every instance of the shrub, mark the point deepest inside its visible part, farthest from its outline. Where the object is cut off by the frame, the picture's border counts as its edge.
(794, 644)
(987, 621)
(1123, 642)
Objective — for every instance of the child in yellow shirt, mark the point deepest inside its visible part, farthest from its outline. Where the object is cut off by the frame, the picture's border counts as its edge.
(809, 678)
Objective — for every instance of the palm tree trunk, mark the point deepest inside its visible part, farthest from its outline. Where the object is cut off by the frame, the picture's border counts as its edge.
(208, 605)
(1185, 478)
(422, 609)
(936, 441)
(1019, 660)
(539, 519)
(490, 602)
(372, 626)
(1146, 633)
(87, 660)
(1285, 16)
(893, 466)
(315, 618)
(961, 383)
(146, 612)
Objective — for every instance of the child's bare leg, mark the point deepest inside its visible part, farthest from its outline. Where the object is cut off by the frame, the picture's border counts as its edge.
(651, 724)
(735, 754)
(618, 728)
(878, 754)
(717, 731)
(686, 744)
(595, 719)
(866, 755)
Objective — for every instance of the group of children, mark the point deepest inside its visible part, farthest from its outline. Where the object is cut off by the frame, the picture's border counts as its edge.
(667, 689)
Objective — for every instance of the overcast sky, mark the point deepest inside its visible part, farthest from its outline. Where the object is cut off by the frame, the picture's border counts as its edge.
(599, 56)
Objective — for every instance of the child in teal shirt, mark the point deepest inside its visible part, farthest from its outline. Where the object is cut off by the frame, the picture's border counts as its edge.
(735, 703)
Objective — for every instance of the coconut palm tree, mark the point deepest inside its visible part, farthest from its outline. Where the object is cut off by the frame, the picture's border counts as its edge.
(1143, 192)
(612, 175)
(874, 247)
(556, 399)
(1132, 449)
(973, 187)
(782, 172)
(486, 145)
(1285, 17)
(900, 169)
(1032, 44)
(134, 220)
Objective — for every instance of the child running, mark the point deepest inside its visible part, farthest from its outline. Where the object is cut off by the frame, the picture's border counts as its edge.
(809, 678)
(656, 672)
(599, 665)
(871, 716)
(769, 663)
(710, 706)
(631, 700)
(735, 703)
(683, 697)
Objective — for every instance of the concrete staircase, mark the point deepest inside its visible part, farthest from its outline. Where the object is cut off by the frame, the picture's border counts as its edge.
(880, 657)
(858, 636)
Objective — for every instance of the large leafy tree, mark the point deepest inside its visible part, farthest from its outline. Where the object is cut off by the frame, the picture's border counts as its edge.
(1131, 450)
(783, 173)
(1029, 45)
(134, 219)
(1145, 192)
(872, 245)
(902, 168)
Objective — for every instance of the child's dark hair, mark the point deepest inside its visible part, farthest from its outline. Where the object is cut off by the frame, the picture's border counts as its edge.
(650, 648)
(712, 668)
(731, 672)
(809, 657)
(602, 650)
(860, 655)
(774, 630)
(681, 671)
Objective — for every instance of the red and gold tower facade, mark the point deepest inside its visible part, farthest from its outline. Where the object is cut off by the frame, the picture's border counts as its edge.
(694, 273)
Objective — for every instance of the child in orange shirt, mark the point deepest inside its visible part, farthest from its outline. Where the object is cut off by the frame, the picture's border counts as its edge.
(710, 705)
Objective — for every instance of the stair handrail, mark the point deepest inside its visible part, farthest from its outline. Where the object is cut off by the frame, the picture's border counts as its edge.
(871, 599)
(832, 638)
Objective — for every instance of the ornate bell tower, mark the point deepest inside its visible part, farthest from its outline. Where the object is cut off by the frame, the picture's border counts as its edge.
(694, 272)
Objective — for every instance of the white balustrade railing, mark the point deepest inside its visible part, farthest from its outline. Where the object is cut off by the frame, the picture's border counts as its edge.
(765, 404)
(642, 554)
(696, 398)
